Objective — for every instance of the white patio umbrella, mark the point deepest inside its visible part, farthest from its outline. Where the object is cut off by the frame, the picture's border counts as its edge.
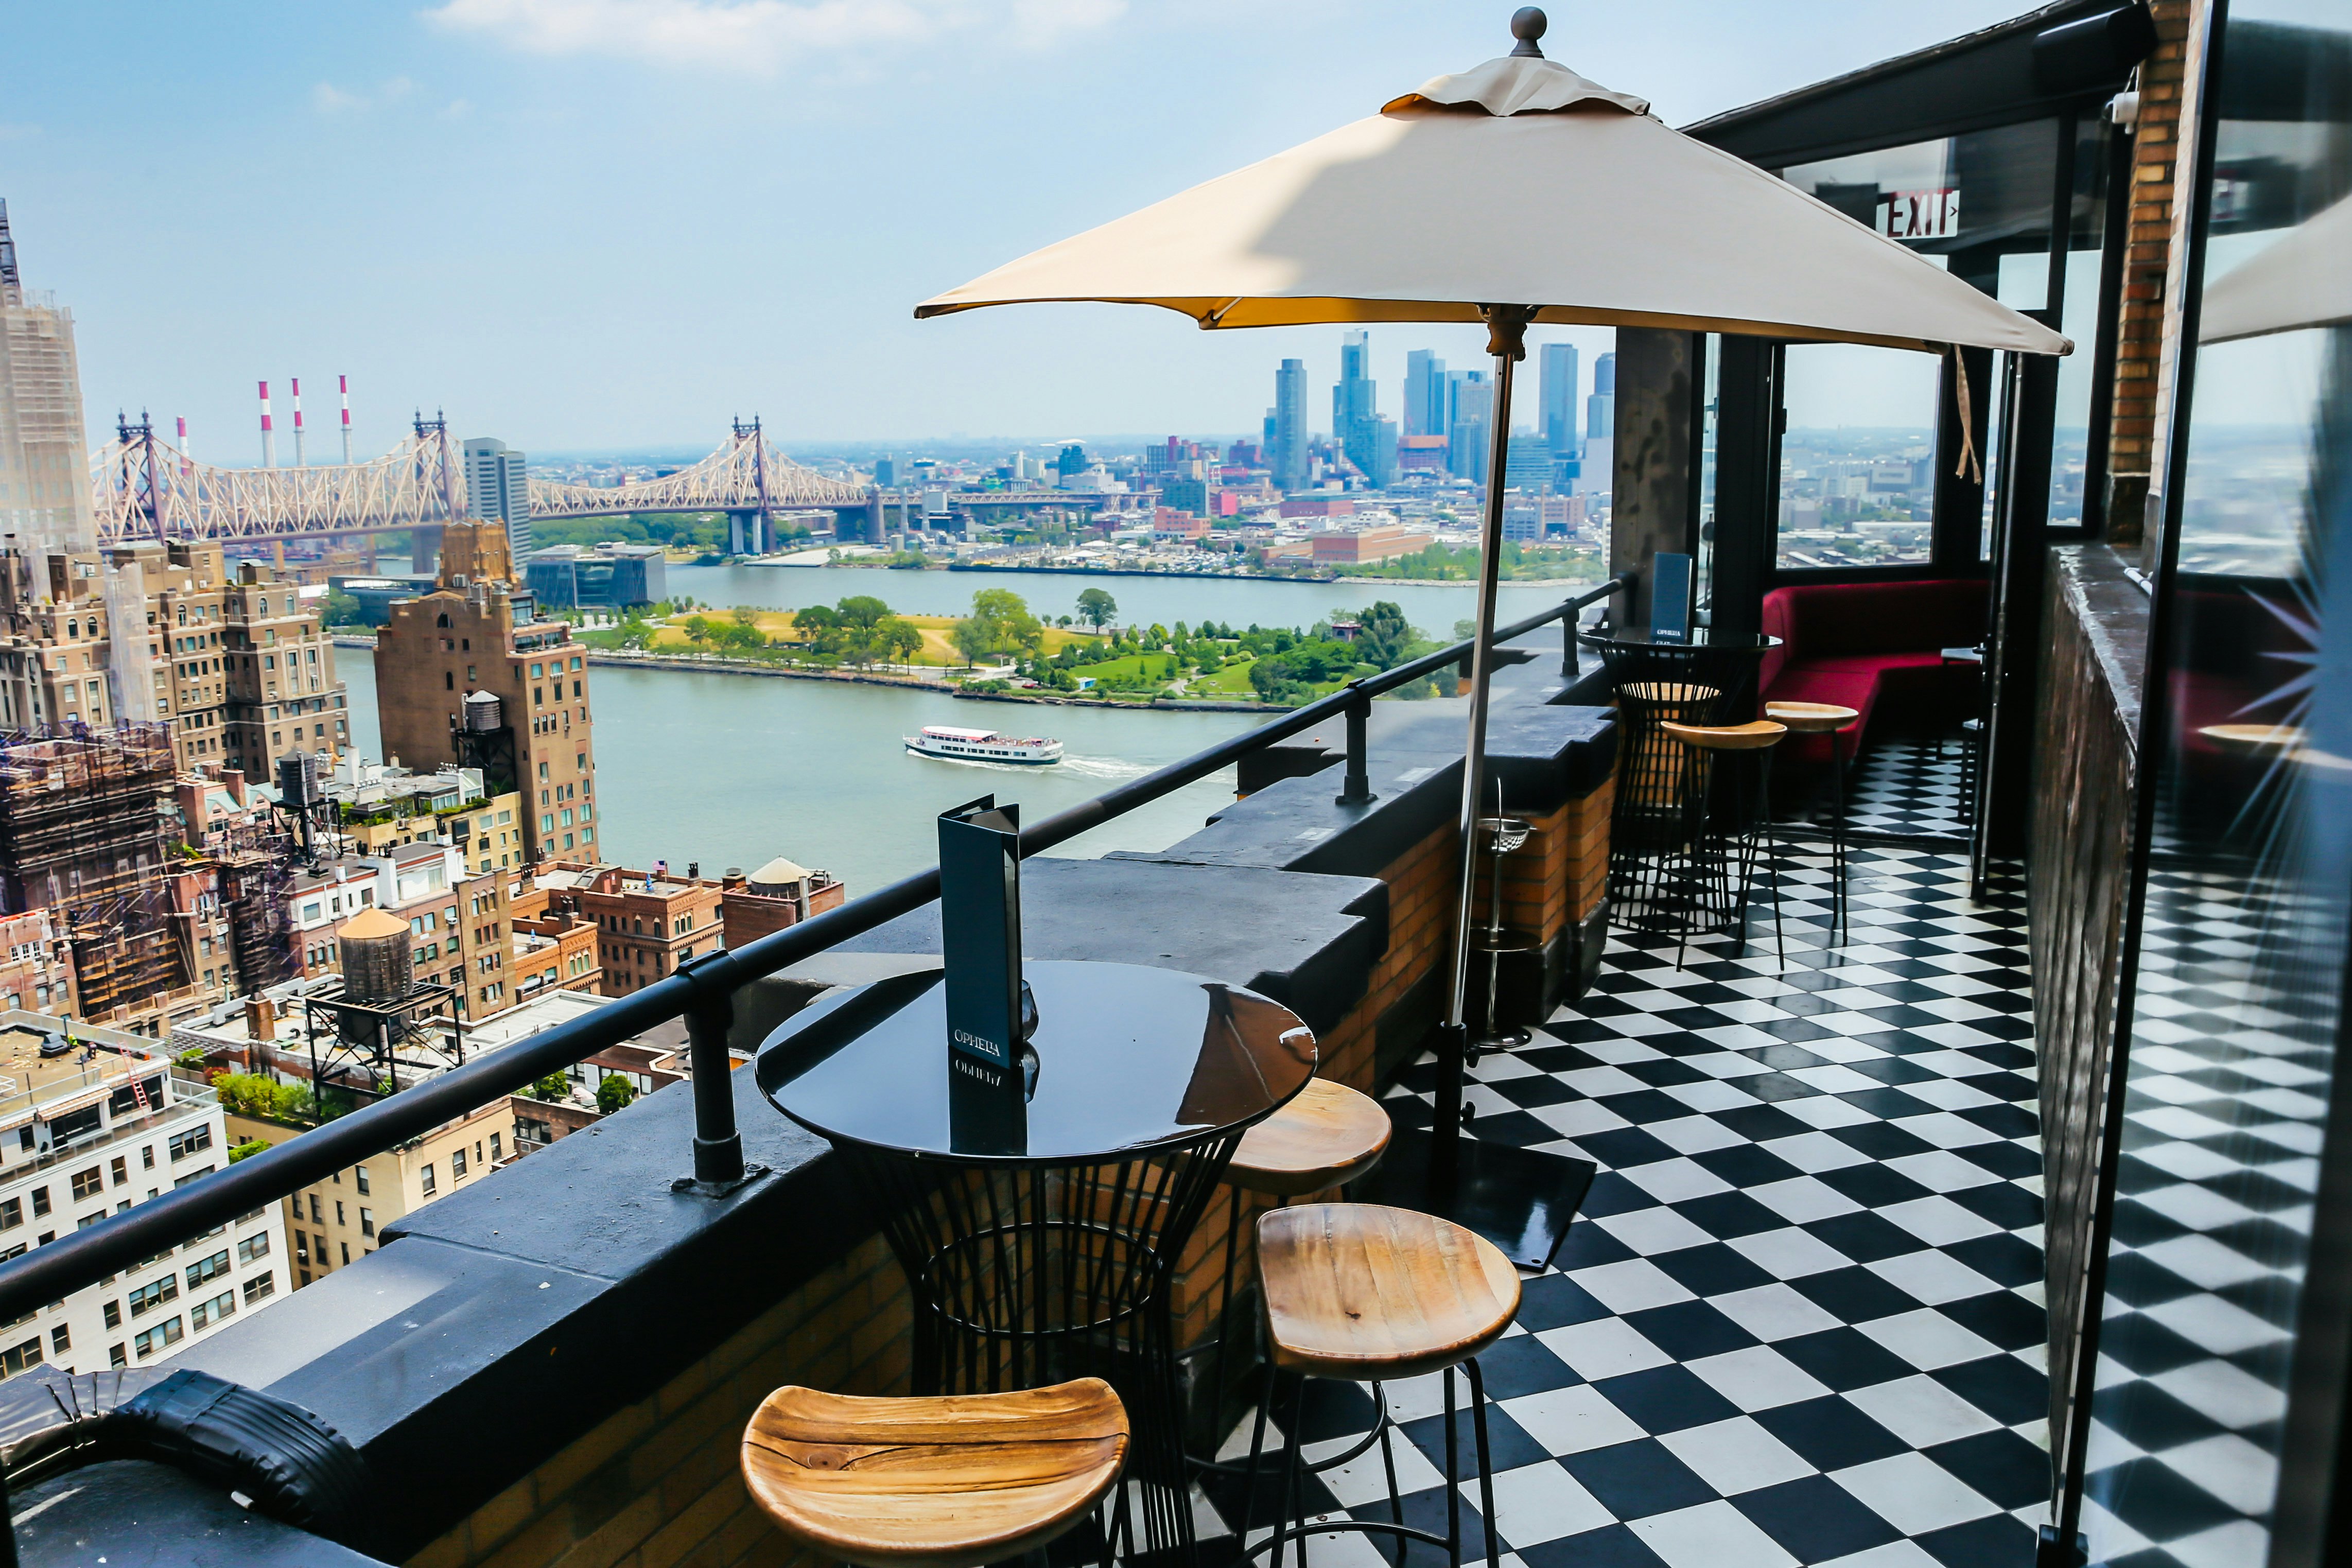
(1515, 194)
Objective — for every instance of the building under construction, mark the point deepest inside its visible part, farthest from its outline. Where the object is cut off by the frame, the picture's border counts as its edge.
(82, 833)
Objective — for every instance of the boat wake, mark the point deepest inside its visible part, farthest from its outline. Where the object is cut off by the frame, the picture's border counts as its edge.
(1110, 768)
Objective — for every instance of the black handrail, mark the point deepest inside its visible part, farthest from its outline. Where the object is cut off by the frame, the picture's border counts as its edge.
(699, 992)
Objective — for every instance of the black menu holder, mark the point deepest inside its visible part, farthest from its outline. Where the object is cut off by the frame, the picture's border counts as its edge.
(979, 940)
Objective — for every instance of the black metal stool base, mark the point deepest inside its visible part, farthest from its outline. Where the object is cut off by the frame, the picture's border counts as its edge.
(1291, 1522)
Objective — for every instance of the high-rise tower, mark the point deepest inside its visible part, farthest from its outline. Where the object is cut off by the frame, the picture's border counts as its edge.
(44, 461)
(1287, 455)
(1558, 398)
(1369, 440)
(498, 489)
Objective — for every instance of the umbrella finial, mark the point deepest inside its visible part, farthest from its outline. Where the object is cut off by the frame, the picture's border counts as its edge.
(1528, 25)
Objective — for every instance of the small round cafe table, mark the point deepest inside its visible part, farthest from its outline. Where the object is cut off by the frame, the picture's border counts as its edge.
(1057, 1259)
(1709, 679)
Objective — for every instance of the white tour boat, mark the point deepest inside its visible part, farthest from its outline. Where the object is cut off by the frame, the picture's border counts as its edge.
(983, 746)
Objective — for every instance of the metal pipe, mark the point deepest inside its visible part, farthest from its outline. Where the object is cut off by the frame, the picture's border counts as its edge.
(1356, 787)
(52, 1272)
(718, 1143)
(1507, 339)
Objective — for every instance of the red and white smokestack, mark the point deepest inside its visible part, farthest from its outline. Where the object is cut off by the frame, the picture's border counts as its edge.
(343, 386)
(186, 463)
(295, 383)
(268, 440)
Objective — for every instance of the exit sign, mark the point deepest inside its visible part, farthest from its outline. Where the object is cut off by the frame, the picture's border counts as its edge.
(1919, 215)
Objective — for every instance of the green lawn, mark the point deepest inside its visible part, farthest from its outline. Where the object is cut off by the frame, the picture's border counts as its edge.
(1231, 681)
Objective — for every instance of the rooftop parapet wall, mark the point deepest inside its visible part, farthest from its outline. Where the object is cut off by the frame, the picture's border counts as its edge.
(554, 1364)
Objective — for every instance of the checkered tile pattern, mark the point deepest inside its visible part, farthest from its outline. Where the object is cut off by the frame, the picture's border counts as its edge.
(1905, 786)
(2223, 1121)
(1799, 1318)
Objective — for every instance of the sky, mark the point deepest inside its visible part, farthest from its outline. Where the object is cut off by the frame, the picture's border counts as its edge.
(599, 225)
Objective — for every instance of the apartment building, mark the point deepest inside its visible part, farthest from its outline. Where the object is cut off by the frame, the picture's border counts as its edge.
(36, 971)
(554, 950)
(95, 1123)
(237, 658)
(385, 808)
(468, 675)
(459, 922)
(334, 1222)
(648, 923)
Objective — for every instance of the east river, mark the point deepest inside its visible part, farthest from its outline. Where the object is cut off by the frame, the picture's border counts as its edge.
(732, 770)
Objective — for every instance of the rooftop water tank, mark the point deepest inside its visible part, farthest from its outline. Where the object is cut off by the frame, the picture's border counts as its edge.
(484, 712)
(379, 965)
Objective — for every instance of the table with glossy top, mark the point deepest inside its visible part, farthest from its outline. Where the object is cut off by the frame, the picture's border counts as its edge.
(1054, 1259)
(1709, 679)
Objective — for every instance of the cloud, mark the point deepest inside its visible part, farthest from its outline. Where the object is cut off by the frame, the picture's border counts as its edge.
(757, 36)
(17, 133)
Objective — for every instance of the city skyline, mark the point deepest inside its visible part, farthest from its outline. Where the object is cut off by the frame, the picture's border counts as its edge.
(500, 210)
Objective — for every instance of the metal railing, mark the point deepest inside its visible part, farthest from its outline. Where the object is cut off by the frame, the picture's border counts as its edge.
(701, 992)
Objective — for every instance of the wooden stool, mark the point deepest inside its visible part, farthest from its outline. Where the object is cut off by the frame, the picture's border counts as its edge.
(1326, 1137)
(1360, 1292)
(1826, 718)
(954, 1481)
(1707, 742)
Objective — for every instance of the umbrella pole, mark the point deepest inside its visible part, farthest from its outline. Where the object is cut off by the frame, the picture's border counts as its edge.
(1506, 328)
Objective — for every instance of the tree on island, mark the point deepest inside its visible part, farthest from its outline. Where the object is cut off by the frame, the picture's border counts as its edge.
(860, 629)
(1096, 607)
(1000, 623)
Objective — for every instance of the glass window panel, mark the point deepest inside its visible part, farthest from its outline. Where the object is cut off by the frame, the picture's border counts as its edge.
(2078, 318)
(2245, 927)
(1857, 460)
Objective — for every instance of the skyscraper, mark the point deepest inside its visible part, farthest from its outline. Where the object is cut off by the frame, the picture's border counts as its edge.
(44, 464)
(1471, 402)
(1424, 393)
(497, 488)
(1596, 472)
(1287, 452)
(1558, 398)
(1369, 440)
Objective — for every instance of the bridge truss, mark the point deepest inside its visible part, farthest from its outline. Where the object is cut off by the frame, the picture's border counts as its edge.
(140, 489)
(747, 475)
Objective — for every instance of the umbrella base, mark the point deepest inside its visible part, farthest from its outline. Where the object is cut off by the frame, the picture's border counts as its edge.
(1520, 1199)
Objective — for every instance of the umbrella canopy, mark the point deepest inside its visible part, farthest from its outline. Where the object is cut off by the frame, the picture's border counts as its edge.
(2301, 280)
(1519, 183)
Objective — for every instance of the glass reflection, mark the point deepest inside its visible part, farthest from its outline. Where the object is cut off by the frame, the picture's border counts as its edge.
(2243, 932)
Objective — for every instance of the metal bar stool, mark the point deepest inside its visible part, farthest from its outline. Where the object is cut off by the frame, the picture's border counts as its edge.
(949, 1481)
(1826, 718)
(1653, 776)
(1361, 1293)
(1709, 870)
(1327, 1136)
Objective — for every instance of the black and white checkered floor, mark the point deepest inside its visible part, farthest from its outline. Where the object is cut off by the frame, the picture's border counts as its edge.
(1799, 1320)
(1905, 786)
(2223, 1121)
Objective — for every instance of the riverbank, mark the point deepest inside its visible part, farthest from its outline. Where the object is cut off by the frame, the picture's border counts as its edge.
(717, 664)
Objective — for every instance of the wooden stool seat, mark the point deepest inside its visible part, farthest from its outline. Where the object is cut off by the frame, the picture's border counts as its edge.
(1368, 1293)
(952, 1481)
(1727, 737)
(1810, 718)
(1327, 1136)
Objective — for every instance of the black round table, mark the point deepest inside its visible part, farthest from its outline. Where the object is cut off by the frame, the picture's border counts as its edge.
(1056, 1260)
(1709, 679)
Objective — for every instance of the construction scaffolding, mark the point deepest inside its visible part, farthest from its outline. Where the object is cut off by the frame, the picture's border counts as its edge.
(83, 816)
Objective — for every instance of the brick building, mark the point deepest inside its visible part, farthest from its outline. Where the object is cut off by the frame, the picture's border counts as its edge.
(777, 895)
(648, 922)
(478, 636)
(237, 659)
